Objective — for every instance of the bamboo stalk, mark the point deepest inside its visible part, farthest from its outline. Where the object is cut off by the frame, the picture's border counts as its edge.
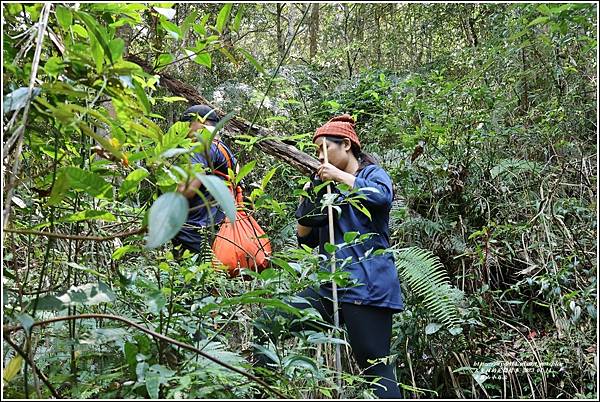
(336, 314)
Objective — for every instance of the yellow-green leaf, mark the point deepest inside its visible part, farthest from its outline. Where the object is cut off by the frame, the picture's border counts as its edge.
(222, 17)
(64, 16)
(12, 368)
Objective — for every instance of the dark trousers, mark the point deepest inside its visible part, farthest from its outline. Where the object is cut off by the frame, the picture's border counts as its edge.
(202, 247)
(369, 332)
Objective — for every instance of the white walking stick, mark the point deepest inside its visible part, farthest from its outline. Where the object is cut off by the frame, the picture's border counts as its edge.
(336, 314)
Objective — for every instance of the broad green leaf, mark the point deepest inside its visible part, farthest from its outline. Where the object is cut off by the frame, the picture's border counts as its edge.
(171, 99)
(544, 9)
(152, 384)
(221, 193)
(17, 99)
(268, 177)
(97, 31)
(320, 337)
(349, 236)
(116, 48)
(188, 21)
(267, 352)
(200, 28)
(97, 54)
(123, 67)
(166, 217)
(121, 251)
(163, 60)
(80, 30)
(26, 321)
(204, 59)
(455, 330)
(291, 362)
(222, 17)
(72, 177)
(329, 248)
(238, 18)
(130, 350)
(141, 95)
(132, 181)
(50, 303)
(12, 368)
(64, 16)
(89, 294)
(89, 214)
(252, 60)
(86, 269)
(432, 328)
(169, 13)
(54, 66)
(90, 182)
(539, 20)
(155, 301)
(247, 168)
(169, 153)
(171, 28)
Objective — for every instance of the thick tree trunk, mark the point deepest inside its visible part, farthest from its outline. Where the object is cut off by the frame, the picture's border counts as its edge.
(288, 153)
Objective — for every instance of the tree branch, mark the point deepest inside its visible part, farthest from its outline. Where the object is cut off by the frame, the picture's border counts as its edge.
(75, 237)
(21, 129)
(8, 330)
(288, 153)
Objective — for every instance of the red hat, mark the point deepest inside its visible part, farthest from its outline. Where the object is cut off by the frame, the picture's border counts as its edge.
(340, 126)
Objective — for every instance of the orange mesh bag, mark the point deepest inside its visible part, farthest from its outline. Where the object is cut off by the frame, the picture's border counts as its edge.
(241, 244)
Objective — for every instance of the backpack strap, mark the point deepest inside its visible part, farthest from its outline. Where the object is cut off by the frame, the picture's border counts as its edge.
(237, 193)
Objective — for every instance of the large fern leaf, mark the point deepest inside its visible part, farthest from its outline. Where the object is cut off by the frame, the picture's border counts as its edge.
(424, 275)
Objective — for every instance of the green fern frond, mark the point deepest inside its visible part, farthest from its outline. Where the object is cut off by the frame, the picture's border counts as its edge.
(425, 276)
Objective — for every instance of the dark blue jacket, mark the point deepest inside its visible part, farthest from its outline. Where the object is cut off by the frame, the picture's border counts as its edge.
(199, 215)
(377, 276)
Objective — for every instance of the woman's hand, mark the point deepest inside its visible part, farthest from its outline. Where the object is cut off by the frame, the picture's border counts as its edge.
(327, 171)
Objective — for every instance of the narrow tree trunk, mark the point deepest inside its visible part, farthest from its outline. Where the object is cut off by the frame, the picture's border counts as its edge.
(347, 39)
(314, 30)
(290, 28)
(280, 41)
(376, 17)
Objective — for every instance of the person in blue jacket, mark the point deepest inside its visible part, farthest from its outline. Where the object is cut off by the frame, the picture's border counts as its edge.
(196, 233)
(367, 307)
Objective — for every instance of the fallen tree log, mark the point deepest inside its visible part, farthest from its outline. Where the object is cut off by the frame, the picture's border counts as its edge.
(237, 125)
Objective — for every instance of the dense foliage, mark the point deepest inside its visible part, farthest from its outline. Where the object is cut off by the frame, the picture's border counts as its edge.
(483, 114)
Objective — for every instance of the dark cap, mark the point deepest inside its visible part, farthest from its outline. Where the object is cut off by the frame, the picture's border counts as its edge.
(202, 111)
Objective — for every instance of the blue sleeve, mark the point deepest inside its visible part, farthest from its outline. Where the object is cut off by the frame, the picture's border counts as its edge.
(311, 240)
(379, 180)
(215, 156)
(200, 159)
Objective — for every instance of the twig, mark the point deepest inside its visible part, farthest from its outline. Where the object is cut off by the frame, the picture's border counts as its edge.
(41, 375)
(8, 330)
(34, 68)
(75, 237)
(334, 293)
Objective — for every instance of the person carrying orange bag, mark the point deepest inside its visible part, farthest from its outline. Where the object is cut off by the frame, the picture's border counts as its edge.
(243, 243)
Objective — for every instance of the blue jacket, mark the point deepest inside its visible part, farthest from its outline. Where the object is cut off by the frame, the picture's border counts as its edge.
(376, 276)
(199, 215)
